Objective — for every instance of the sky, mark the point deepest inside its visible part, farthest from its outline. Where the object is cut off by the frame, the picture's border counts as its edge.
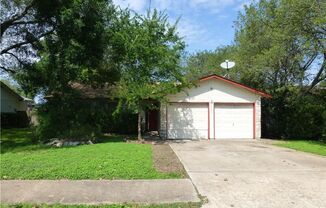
(204, 24)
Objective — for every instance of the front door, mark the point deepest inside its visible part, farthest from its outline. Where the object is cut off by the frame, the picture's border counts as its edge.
(153, 120)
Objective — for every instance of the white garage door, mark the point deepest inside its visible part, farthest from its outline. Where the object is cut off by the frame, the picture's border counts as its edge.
(187, 121)
(233, 121)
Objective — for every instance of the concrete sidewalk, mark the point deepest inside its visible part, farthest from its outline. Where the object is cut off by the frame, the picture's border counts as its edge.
(98, 191)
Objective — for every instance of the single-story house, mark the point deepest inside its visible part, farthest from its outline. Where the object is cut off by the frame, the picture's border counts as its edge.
(216, 108)
(14, 107)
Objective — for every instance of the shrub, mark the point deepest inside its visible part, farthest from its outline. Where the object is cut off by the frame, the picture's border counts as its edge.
(66, 119)
(81, 119)
(294, 117)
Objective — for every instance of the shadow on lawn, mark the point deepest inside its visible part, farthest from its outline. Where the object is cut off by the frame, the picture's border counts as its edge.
(15, 139)
(115, 138)
(19, 140)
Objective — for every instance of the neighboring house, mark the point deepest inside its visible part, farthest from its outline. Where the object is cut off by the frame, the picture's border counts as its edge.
(14, 107)
(217, 108)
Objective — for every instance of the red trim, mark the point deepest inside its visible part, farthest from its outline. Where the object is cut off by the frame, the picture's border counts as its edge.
(254, 120)
(235, 103)
(214, 76)
(253, 109)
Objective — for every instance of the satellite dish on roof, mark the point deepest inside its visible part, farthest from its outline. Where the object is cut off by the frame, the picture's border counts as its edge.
(227, 64)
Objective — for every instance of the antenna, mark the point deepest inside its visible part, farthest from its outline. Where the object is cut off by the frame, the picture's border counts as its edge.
(227, 65)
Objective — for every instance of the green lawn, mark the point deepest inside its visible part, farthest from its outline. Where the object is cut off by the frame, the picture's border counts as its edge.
(15, 140)
(175, 205)
(112, 159)
(314, 147)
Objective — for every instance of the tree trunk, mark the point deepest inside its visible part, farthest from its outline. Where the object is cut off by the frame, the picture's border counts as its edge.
(139, 126)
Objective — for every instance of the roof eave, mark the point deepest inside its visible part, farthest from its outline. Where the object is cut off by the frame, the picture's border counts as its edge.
(253, 90)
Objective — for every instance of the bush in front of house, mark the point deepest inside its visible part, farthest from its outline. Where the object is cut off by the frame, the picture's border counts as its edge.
(66, 119)
(82, 119)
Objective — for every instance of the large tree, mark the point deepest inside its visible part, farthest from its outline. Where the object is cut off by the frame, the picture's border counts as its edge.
(281, 47)
(78, 51)
(282, 42)
(75, 52)
(23, 23)
(150, 68)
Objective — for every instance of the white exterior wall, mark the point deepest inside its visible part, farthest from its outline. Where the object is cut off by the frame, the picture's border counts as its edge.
(214, 91)
(162, 129)
(10, 103)
(258, 118)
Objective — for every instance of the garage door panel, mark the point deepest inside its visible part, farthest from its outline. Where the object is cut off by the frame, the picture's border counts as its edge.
(187, 121)
(233, 121)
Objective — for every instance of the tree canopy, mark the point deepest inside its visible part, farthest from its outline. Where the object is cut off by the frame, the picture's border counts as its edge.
(282, 42)
(208, 62)
(75, 52)
(150, 67)
(94, 43)
(23, 23)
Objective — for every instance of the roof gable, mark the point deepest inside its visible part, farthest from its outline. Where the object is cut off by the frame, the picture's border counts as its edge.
(237, 84)
(11, 91)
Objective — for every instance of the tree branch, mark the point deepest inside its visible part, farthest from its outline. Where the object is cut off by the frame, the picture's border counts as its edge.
(6, 24)
(318, 78)
(25, 22)
(7, 70)
(17, 45)
(16, 57)
(309, 62)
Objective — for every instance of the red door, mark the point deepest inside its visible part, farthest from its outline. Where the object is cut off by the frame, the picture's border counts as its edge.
(153, 120)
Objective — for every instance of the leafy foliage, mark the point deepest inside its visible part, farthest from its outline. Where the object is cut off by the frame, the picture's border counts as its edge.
(67, 119)
(75, 52)
(150, 65)
(282, 43)
(23, 24)
(281, 48)
(95, 44)
(208, 62)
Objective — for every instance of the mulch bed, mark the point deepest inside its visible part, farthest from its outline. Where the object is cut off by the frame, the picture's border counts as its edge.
(165, 160)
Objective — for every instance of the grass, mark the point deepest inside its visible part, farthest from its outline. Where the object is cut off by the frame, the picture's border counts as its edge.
(314, 147)
(175, 205)
(21, 158)
(15, 140)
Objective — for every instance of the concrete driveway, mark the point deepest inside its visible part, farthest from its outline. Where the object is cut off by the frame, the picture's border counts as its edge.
(253, 173)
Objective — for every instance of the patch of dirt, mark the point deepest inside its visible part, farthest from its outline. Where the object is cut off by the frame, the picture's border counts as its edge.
(166, 161)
